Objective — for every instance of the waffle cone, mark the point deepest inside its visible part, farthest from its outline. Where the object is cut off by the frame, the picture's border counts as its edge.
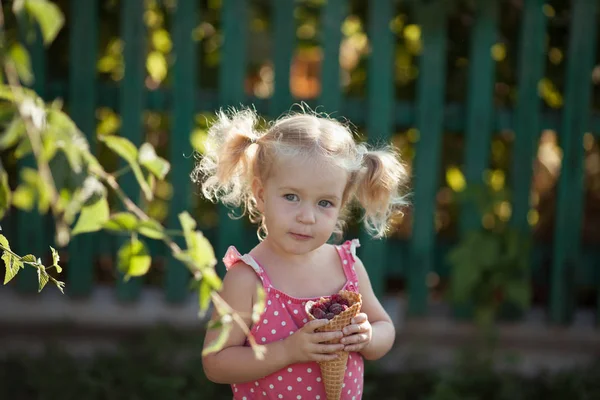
(333, 372)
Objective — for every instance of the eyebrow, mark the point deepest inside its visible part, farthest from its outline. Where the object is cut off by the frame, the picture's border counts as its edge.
(293, 189)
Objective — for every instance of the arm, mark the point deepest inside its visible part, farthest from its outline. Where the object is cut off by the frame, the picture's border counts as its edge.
(236, 363)
(383, 331)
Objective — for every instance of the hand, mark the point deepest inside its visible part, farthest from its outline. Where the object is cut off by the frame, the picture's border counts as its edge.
(307, 345)
(358, 335)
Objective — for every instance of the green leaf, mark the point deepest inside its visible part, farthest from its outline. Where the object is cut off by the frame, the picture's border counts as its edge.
(152, 229)
(23, 149)
(122, 222)
(24, 197)
(48, 16)
(126, 150)
(122, 146)
(29, 258)
(92, 217)
(14, 131)
(43, 278)
(12, 264)
(259, 305)
(159, 167)
(204, 297)
(20, 57)
(199, 248)
(519, 293)
(133, 258)
(211, 278)
(220, 341)
(5, 194)
(55, 260)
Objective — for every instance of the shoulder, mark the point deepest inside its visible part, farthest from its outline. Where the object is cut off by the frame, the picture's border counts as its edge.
(241, 276)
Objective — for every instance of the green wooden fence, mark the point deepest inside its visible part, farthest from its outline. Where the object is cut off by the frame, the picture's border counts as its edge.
(379, 112)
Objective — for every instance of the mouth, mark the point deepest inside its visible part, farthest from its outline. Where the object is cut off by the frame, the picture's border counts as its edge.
(299, 236)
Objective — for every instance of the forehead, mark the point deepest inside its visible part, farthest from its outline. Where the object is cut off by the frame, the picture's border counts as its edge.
(309, 175)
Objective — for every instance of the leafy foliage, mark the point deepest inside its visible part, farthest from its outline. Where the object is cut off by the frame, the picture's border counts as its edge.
(68, 182)
(490, 264)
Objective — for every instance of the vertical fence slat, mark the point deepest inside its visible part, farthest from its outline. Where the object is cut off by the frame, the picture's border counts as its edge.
(380, 119)
(232, 75)
(430, 123)
(131, 106)
(184, 94)
(31, 226)
(532, 58)
(284, 43)
(82, 107)
(331, 90)
(575, 123)
(480, 105)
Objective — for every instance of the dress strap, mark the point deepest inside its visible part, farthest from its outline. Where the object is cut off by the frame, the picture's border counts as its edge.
(233, 255)
(347, 252)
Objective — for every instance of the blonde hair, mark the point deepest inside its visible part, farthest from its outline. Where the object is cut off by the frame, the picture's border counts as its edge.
(237, 152)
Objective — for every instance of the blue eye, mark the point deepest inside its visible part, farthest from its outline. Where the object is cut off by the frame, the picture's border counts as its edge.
(290, 197)
(325, 203)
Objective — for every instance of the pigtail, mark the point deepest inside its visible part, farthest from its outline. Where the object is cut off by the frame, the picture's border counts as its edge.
(224, 167)
(379, 188)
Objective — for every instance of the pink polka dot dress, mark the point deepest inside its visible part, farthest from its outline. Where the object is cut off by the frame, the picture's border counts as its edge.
(284, 315)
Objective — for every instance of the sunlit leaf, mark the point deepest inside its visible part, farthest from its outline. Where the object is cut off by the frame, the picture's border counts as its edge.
(12, 134)
(204, 298)
(55, 259)
(152, 229)
(199, 248)
(220, 341)
(12, 264)
(124, 148)
(29, 258)
(133, 258)
(43, 278)
(19, 55)
(23, 197)
(5, 193)
(49, 17)
(259, 305)
(92, 217)
(158, 166)
(121, 221)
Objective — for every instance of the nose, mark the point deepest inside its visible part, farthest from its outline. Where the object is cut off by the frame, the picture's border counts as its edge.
(306, 215)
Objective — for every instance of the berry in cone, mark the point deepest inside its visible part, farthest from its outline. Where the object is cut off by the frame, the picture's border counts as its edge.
(339, 310)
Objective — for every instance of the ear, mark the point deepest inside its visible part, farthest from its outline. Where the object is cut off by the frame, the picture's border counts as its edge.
(258, 192)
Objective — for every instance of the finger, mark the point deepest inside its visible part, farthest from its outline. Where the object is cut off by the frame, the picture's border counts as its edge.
(354, 347)
(326, 336)
(328, 348)
(315, 324)
(357, 338)
(351, 329)
(359, 318)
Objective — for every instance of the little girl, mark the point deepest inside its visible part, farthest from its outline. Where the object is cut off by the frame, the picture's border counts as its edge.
(297, 180)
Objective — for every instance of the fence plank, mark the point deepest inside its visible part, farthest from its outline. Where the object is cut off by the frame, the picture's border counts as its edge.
(575, 123)
(82, 108)
(284, 43)
(430, 123)
(331, 90)
(131, 106)
(31, 237)
(532, 58)
(184, 94)
(231, 93)
(380, 117)
(480, 105)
